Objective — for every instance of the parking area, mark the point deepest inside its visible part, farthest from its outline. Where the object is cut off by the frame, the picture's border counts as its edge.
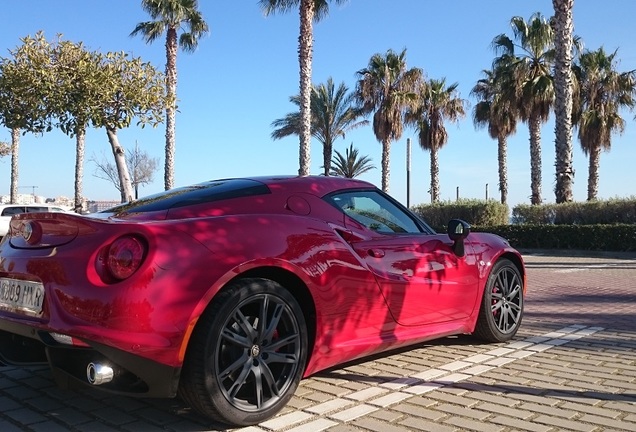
(572, 366)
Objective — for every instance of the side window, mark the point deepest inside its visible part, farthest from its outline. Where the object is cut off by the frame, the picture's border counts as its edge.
(37, 209)
(376, 212)
(10, 211)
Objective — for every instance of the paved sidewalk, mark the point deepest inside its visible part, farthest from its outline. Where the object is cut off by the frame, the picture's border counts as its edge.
(572, 367)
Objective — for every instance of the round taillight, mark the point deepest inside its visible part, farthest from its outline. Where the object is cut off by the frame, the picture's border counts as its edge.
(125, 256)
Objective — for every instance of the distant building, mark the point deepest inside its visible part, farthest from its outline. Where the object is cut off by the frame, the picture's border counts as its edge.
(97, 206)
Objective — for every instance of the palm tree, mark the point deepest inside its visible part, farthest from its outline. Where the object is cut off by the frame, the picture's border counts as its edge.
(350, 165)
(170, 16)
(528, 63)
(332, 115)
(496, 110)
(310, 11)
(563, 44)
(437, 104)
(603, 92)
(387, 87)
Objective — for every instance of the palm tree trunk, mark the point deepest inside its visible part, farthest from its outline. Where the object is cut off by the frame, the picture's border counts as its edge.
(305, 50)
(122, 169)
(534, 123)
(386, 166)
(563, 101)
(15, 148)
(592, 178)
(502, 152)
(327, 151)
(80, 139)
(171, 92)
(434, 174)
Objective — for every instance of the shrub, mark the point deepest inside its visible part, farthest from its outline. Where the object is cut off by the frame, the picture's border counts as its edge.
(473, 211)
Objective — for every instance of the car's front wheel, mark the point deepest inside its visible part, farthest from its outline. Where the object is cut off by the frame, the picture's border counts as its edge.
(246, 355)
(502, 304)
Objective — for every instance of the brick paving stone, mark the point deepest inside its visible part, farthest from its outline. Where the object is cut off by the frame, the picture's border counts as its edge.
(605, 422)
(465, 423)
(287, 420)
(378, 426)
(425, 425)
(504, 410)
(327, 388)
(462, 411)
(419, 411)
(548, 410)
(313, 426)
(329, 406)
(142, 426)
(562, 423)
(595, 410)
(353, 413)
(367, 393)
(387, 415)
(25, 416)
(517, 424)
(620, 406)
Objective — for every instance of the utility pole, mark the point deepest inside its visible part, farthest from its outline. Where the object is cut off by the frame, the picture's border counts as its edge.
(32, 187)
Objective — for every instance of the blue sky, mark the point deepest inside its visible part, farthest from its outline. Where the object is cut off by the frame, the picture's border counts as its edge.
(240, 79)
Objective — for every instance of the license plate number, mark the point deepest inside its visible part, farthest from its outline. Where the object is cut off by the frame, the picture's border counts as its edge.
(25, 296)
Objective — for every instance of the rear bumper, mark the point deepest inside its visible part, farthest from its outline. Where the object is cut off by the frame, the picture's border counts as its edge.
(22, 344)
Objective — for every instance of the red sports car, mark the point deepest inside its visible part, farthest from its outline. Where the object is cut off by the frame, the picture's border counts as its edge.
(228, 292)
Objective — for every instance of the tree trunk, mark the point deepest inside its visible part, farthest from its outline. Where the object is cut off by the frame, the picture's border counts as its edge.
(502, 152)
(171, 93)
(122, 169)
(563, 101)
(15, 149)
(327, 151)
(80, 139)
(592, 178)
(305, 50)
(534, 123)
(386, 167)
(434, 174)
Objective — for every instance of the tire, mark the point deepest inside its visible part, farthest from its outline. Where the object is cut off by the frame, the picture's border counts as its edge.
(247, 354)
(501, 309)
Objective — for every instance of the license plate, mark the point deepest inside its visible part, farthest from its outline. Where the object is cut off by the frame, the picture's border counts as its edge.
(25, 296)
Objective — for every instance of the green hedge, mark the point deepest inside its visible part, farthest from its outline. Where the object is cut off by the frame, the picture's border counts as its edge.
(616, 237)
(594, 225)
(613, 211)
(475, 212)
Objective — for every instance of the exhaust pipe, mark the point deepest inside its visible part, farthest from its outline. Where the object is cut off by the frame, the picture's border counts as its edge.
(98, 374)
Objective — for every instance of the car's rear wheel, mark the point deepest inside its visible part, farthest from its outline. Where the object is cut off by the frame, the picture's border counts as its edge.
(246, 355)
(502, 304)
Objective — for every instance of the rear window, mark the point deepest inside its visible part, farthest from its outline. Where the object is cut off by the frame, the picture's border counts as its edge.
(192, 195)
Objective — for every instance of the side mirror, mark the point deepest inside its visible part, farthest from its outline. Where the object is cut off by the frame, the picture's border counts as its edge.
(457, 231)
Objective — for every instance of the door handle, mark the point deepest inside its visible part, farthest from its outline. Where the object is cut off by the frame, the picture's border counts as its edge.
(376, 253)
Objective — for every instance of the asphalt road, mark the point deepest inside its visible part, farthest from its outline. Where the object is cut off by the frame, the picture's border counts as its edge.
(572, 367)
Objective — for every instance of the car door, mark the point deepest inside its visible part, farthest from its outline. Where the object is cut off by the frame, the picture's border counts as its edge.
(422, 280)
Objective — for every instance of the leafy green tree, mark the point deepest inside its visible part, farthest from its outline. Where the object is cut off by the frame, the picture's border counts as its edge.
(603, 93)
(77, 72)
(26, 82)
(170, 16)
(310, 11)
(528, 63)
(564, 88)
(496, 110)
(128, 88)
(437, 104)
(332, 115)
(387, 88)
(351, 165)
